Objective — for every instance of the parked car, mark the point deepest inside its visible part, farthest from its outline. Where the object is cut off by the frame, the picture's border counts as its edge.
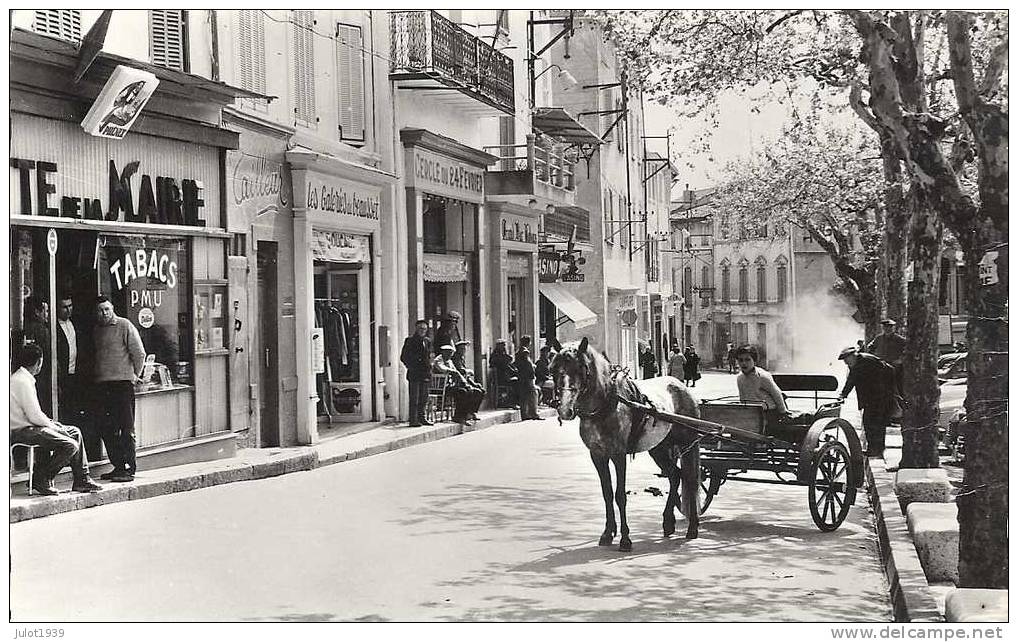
(953, 366)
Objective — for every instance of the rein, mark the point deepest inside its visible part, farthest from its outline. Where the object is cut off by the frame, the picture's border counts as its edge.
(611, 401)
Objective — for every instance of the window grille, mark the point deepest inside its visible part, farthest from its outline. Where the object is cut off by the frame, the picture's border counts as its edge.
(304, 67)
(350, 82)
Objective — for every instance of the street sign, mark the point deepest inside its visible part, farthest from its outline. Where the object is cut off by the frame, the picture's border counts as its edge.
(988, 268)
(51, 242)
(572, 278)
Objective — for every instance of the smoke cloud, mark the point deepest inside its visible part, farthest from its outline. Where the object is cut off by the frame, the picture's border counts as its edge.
(821, 327)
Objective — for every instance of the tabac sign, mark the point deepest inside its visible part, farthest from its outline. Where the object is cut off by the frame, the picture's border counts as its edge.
(119, 103)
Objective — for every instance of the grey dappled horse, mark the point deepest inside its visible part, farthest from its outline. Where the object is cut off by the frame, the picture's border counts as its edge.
(587, 389)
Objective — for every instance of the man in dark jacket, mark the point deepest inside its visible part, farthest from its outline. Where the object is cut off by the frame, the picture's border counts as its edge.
(448, 332)
(873, 380)
(416, 356)
(890, 347)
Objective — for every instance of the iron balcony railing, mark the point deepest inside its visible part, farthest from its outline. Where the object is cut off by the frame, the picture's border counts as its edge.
(551, 165)
(426, 43)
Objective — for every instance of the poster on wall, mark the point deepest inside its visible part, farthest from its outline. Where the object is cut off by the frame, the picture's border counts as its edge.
(120, 102)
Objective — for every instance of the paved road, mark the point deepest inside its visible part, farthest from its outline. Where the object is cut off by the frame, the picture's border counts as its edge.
(500, 524)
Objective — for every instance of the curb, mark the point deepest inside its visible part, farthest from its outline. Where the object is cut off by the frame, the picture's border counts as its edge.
(911, 597)
(240, 468)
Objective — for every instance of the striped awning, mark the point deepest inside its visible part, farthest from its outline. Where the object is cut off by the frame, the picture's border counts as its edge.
(569, 305)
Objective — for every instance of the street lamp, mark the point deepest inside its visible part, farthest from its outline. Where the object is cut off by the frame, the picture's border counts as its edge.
(564, 77)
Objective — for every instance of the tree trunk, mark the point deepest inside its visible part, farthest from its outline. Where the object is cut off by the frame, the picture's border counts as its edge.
(895, 237)
(983, 500)
(919, 423)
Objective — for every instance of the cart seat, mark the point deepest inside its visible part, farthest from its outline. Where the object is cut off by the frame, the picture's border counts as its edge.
(746, 416)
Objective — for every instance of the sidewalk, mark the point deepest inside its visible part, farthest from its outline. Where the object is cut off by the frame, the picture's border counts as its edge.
(251, 463)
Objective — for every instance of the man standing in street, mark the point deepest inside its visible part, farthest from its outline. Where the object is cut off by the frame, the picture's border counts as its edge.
(37, 331)
(59, 445)
(890, 347)
(119, 364)
(416, 356)
(873, 380)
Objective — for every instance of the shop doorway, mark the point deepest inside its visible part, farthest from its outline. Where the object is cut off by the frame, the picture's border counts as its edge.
(342, 310)
(268, 343)
(515, 316)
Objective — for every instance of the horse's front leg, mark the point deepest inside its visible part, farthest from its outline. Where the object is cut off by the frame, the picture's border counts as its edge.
(690, 473)
(664, 457)
(601, 464)
(625, 544)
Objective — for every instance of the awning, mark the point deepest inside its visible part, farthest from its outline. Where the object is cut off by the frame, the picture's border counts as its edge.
(557, 122)
(568, 304)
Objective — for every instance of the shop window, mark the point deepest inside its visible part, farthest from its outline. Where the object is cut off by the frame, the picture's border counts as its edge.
(304, 67)
(148, 281)
(59, 23)
(350, 82)
(168, 38)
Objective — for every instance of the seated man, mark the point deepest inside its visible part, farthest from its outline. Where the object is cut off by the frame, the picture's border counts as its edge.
(58, 444)
(459, 361)
(466, 397)
(756, 385)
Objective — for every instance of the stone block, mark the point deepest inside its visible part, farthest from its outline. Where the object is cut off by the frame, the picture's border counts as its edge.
(921, 485)
(934, 531)
(976, 605)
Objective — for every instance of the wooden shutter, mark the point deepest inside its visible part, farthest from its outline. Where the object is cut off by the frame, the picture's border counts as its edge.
(251, 51)
(167, 38)
(59, 23)
(304, 67)
(350, 82)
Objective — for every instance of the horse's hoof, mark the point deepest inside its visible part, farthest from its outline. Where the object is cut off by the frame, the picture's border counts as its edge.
(669, 531)
(625, 546)
(692, 534)
(606, 540)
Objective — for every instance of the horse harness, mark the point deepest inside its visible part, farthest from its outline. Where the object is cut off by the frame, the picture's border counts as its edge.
(622, 389)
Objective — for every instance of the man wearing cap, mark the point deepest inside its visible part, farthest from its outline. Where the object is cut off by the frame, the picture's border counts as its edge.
(459, 361)
(873, 380)
(467, 399)
(890, 347)
(448, 332)
(416, 356)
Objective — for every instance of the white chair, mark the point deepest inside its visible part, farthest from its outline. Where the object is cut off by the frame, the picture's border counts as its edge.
(31, 461)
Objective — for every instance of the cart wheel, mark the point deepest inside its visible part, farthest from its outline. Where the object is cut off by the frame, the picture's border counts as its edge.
(711, 479)
(831, 489)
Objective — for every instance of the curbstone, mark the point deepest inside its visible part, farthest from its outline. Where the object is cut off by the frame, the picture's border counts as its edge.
(911, 597)
(934, 531)
(976, 605)
(921, 485)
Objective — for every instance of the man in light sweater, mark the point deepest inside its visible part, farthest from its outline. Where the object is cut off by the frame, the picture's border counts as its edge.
(119, 364)
(58, 445)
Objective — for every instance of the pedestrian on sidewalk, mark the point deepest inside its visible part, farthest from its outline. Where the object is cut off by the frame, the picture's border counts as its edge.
(505, 374)
(691, 370)
(416, 356)
(448, 332)
(542, 374)
(731, 358)
(890, 347)
(648, 363)
(466, 398)
(58, 445)
(526, 389)
(677, 363)
(119, 364)
(873, 381)
(459, 361)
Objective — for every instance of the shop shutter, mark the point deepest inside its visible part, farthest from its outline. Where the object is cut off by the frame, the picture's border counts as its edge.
(59, 23)
(350, 82)
(304, 67)
(251, 51)
(166, 38)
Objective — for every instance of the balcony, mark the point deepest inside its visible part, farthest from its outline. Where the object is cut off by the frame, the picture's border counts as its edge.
(545, 173)
(430, 52)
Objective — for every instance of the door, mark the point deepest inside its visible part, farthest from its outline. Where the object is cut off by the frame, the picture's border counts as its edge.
(514, 290)
(268, 344)
(349, 355)
(240, 402)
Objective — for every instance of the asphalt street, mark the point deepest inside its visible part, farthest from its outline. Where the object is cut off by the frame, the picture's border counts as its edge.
(500, 524)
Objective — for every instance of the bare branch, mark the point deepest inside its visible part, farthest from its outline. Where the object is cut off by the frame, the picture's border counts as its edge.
(855, 100)
(776, 23)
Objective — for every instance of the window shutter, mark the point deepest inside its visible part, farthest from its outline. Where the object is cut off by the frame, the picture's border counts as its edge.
(350, 82)
(166, 38)
(251, 51)
(59, 23)
(304, 67)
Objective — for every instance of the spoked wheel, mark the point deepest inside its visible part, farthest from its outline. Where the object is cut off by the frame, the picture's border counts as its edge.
(831, 487)
(711, 479)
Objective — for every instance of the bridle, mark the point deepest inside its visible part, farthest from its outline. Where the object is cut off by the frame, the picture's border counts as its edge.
(583, 392)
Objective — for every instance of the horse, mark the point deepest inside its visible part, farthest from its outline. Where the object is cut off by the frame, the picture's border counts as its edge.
(611, 429)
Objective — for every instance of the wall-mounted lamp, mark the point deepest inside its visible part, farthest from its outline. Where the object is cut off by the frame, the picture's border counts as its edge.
(564, 77)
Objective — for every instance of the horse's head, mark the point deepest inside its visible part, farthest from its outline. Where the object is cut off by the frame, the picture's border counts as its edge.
(575, 372)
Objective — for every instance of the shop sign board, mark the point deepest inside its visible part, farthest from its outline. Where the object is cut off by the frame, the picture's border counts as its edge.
(120, 102)
(51, 242)
(519, 230)
(444, 176)
(988, 268)
(327, 245)
(331, 195)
